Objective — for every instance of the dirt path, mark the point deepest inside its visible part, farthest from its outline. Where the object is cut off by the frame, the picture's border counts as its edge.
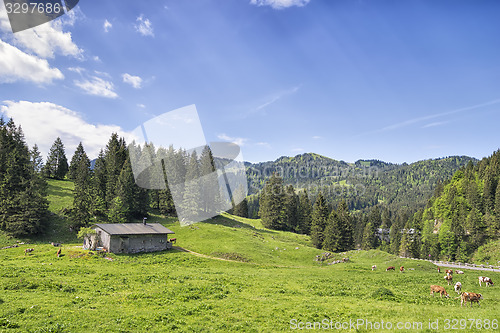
(207, 256)
(468, 266)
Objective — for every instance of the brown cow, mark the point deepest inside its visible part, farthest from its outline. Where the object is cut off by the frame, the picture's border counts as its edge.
(449, 279)
(440, 290)
(449, 272)
(439, 270)
(401, 269)
(58, 253)
(472, 297)
(26, 251)
(172, 240)
(486, 280)
(390, 268)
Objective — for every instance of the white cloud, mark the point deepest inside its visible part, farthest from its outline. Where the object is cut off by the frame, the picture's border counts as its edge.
(43, 122)
(142, 106)
(280, 4)
(78, 70)
(45, 40)
(316, 137)
(276, 97)
(107, 25)
(97, 86)
(239, 141)
(144, 26)
(134, 81)
(15, 65)
(434, 124)
(96, 58)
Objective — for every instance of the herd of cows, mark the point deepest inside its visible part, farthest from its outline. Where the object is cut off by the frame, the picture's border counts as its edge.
(464, 296)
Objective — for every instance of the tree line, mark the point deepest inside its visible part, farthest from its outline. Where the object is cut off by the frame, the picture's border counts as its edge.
(281, 208)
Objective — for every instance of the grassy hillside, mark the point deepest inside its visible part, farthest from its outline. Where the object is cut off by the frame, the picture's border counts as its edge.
(271, 280)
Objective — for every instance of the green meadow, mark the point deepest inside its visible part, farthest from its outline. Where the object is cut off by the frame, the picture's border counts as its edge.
(249, 279)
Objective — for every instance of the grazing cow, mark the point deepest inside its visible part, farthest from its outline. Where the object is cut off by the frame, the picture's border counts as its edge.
(458, 287)
(172, 240)
(486, 280)
(390, 268)
(439, 269)
(55, 244)
(449, 279)
(440, 290)
(472, 297)
(401, 269)
(374, 267)
(459, 272)
(26, 251)
(58, 253)
(449, 272)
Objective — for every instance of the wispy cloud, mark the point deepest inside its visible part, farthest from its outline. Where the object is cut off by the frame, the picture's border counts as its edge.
(276, 97)
(316, 137)
(134, 81)
(280, 4)
(430, 117)
(436, 123)
(239, 141)
(107, 25)
(97, 86)
(144, 26)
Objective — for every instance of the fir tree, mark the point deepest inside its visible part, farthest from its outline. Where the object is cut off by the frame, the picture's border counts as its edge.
(75, 160)
(36, 159)
(346, 228)
(99, 186)
(82, 199)
(114, 157)
(291, 203)
(192, 198)
(57, 164)
(333, 234)
(319, 220)
(117, 212)
(241, 209)
(368, 242)
(304, 213)
(271, 203)
(210, 193)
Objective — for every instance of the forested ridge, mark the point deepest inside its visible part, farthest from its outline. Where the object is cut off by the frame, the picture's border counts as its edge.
(442, 208)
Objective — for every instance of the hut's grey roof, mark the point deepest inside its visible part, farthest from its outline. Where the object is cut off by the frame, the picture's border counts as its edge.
(133, 228)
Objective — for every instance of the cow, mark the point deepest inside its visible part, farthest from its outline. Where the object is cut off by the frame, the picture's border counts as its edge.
(458, 287)
(459, 272)
(449, 279)
(26, 251)
(58, 253)
(401, 269)
(449, 271)
(55, 244)
(172, 240)
(486, 280)
(390, 268)
(440, 290)
(374, 267)
(439, 270)
(472, 297)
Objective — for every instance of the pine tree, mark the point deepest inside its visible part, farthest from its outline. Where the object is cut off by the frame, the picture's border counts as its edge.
(57, 164)
(75, 160)
(125, 187)
(489, 189)
(210, 193)
(191, 202)
(368, 242)
(291, 203)
(241, 209)
(23, 206)
(271, 203)
(497, 209)
(346, 228)
(99, 186)
(319, 220)
(117, 212)
(304, 213)
(114, 157)
(333, 233)
(36, 159)
(82, 199)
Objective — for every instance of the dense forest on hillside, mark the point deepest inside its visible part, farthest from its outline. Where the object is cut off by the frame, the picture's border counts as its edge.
(441, 208)
(362, 184)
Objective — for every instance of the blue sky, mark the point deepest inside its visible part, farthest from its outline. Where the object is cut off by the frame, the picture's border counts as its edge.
(398, 81)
